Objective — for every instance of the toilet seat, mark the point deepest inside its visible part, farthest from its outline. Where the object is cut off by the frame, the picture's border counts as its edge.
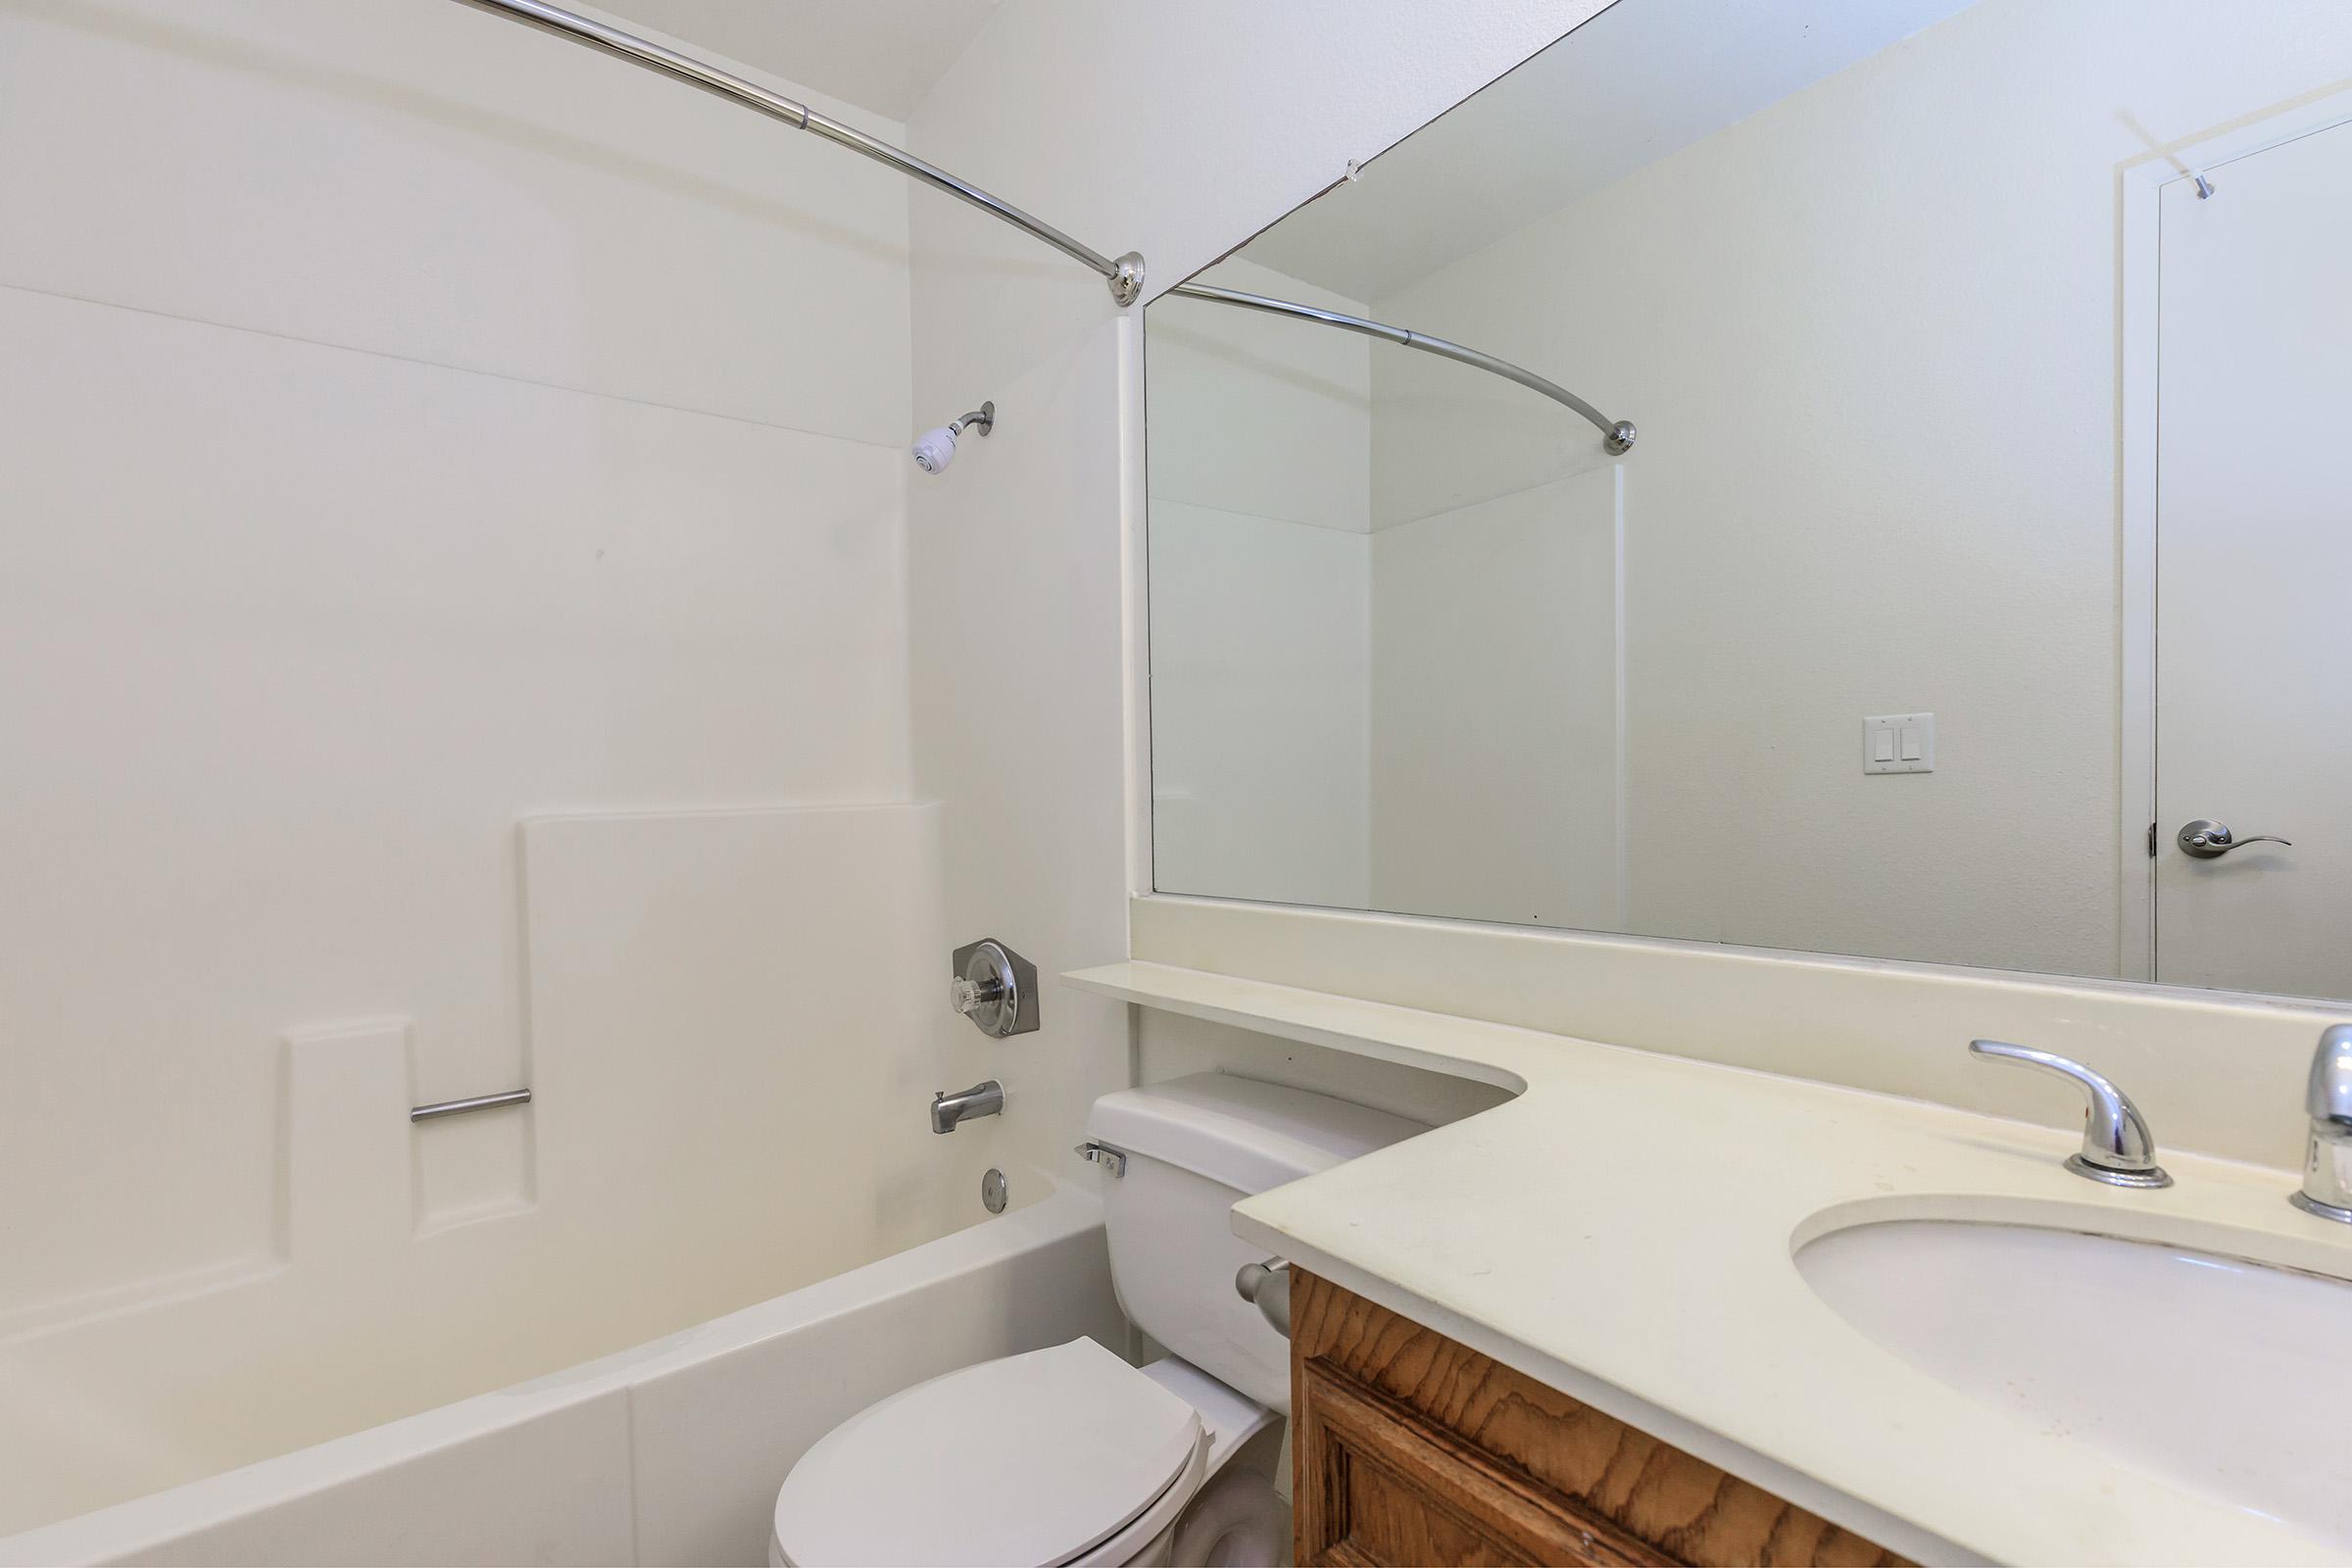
(1047, 1459)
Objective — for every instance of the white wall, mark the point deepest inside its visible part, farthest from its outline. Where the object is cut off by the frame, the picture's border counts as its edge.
(1017, 712)
(408, 423)
(1175, 130)
(1869, 336)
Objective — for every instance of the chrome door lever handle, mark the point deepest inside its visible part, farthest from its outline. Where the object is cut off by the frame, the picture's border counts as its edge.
(2208, 839)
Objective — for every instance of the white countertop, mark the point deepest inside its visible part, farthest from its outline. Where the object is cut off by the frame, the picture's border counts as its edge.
(1624, 1230)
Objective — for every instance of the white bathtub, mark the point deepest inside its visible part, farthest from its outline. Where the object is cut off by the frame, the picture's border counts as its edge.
(668, 1452)
(598, 1327)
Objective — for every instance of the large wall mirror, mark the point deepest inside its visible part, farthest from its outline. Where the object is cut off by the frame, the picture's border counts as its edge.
(1977, 587)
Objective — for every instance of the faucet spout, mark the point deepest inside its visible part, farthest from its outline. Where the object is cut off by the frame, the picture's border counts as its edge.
(981, 1100)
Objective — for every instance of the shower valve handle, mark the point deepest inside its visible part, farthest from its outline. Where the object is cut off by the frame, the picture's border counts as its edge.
(970, 995)
(994, 987)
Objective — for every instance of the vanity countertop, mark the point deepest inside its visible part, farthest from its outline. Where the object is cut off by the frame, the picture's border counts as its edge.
(1624, 1230)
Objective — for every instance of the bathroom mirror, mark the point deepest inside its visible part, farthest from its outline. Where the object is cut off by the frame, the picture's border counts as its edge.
(1882, 638)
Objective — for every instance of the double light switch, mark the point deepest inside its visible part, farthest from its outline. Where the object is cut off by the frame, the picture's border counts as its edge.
(1899, 743)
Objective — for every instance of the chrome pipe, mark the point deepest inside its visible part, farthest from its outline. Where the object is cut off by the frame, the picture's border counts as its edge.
(458, 1107)
(1125, 274)
(1617, 435)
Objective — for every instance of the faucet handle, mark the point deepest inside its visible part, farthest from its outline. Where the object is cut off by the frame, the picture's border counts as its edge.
(2328, 1154)
(2329, 1095)
(2115, 1146)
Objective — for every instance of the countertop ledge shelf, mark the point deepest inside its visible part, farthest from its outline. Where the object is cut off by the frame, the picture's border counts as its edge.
(1624, 1230)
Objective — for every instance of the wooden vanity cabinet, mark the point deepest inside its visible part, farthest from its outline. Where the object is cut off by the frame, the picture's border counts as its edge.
(1409, 1448)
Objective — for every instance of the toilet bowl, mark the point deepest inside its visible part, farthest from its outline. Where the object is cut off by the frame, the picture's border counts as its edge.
(1062, 1455)
(1069, 1454)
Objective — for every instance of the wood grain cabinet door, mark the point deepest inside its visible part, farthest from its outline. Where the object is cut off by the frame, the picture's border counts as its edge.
(1377, 1484)
(1409, 1448)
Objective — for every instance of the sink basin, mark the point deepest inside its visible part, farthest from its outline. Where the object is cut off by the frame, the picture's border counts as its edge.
(2226, 1377)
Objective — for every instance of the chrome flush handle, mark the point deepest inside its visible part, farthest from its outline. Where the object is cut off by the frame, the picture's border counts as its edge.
(2116, 1147)
(1267, 1286)
(2209, 840)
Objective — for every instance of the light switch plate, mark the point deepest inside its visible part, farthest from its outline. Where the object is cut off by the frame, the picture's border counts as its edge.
(1899, 743)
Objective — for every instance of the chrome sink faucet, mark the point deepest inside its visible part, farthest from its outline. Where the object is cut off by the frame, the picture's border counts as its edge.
(2116, 1147)
(2328, 1157)
(981, 1100)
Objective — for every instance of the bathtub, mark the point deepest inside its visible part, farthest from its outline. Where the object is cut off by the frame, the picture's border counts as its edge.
(598, 1327)
(667, 1450)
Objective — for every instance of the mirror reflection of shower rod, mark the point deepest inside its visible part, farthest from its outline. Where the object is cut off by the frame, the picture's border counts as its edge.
(1125, 274)
(1617, 435)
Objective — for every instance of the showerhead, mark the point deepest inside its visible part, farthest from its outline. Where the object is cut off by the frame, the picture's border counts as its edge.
(935, 449)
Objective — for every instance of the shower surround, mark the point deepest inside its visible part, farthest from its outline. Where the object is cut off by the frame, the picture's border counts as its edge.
(734, 1032)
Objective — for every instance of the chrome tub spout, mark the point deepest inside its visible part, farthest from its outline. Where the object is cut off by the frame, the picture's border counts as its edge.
(981, 1100)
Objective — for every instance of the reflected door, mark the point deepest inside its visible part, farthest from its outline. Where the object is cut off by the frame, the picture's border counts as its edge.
(2254, 572)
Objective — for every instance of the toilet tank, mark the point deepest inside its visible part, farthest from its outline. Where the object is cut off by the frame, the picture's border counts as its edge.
(1195, 1147)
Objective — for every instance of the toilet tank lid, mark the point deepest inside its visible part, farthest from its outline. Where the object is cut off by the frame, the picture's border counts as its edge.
(1240, 1132)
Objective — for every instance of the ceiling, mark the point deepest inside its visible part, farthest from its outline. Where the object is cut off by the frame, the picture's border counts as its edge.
(1640, 80)
(880, 55)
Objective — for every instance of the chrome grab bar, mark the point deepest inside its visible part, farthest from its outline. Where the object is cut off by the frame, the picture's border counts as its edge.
(458, 1107)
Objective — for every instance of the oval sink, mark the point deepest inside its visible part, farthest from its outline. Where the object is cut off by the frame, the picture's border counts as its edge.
(2227, 1377)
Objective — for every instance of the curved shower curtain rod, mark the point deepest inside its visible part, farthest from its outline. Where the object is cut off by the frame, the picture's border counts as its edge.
(1617, 435)
(1124, 274)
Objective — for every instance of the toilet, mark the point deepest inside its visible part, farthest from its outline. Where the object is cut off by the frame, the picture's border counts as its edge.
(1070, 1455)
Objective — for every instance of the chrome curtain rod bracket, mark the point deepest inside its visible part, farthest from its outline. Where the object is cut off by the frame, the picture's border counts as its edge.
(1617, 435)
(1124, 275)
